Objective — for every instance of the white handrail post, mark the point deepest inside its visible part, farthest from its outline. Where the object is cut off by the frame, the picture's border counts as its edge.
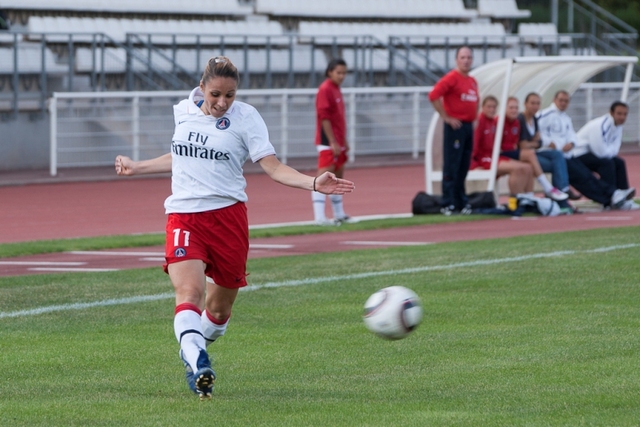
(53, 135)
(416, 123)
(627, 81)
(351, 127)
(284, 126)
(500, 126)
(589, 103)
(136, 127)
(428, 152)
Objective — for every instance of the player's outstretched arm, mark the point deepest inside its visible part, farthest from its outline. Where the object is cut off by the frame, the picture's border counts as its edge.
(127, 167)
(326, 183)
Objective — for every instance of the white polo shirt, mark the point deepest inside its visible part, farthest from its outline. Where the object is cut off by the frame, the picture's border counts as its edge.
(208, 154)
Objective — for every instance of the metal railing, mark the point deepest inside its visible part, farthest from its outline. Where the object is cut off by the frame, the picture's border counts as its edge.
(89, 129)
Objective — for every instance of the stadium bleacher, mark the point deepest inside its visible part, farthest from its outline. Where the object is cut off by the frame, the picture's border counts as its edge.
(501, 9)
(29, 58)
(117, 29)
(154, 7)
(437, 33)
(541, 32)
(373, 9)
(264, 36)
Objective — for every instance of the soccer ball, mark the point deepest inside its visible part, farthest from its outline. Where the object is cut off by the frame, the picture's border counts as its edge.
(393, 312)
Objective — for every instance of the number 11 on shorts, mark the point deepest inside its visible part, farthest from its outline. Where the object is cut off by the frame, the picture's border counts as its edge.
(176, 237)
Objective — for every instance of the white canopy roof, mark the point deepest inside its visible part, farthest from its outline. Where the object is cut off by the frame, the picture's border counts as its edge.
(543, 75)
(518, 77)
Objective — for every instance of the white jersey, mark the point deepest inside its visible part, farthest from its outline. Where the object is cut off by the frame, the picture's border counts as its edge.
(601, 137)
(208, 154)
(555, 126)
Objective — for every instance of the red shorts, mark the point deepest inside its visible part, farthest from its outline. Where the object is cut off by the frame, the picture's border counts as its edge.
(484, 164)
(327, 159)
(219, 238)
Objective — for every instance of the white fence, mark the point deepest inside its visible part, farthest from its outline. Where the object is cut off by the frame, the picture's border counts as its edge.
(90, 129)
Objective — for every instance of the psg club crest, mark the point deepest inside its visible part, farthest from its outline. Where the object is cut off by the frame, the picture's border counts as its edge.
(179, 253)
(223, 123)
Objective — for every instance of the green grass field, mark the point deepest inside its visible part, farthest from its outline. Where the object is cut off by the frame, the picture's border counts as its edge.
(527, 331)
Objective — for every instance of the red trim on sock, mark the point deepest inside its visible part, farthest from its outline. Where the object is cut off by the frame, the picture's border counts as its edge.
(187, 306)
(216, 321)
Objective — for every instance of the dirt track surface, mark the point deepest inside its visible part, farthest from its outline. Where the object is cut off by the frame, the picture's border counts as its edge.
(129, 206)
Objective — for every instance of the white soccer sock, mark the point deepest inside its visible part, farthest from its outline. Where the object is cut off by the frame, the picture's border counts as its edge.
(318, 206)
(188, 329)
(546, 185)
(212, 331)
(336, 205)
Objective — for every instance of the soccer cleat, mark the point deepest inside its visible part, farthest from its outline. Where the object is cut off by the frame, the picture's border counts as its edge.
(189, 374)
(326, 223)
(448, 210)
(619, 197)
(557, 195)
(202, 381)
(629, 205)
(345, 220)
(467, 210)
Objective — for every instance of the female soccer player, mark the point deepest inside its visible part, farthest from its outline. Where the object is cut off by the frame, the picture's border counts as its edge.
(510, 148)
(207, 236)
(331, 140)
(520, 173)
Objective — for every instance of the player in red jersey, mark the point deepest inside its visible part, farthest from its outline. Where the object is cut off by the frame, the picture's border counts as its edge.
(520, 173)
(331, 139)
(455, 97)
(207, 229)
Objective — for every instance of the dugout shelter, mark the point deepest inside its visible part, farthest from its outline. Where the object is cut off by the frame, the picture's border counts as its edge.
(518, 77)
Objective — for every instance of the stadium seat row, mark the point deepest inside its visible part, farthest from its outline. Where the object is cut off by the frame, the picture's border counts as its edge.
(371, 9)
(117, 29)
(438, 33)
(367, 9)
(188, 30)
(180, 7)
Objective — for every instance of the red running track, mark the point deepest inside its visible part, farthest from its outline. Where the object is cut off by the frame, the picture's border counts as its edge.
(129, 206)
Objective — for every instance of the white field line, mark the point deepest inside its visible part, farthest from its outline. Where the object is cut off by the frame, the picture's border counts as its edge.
(317, 280)
(382, 243)
(267, 246)
(82, 306)
(355, 219)
(608, 218)
(41, 263)
(73, 269)
(114, 253)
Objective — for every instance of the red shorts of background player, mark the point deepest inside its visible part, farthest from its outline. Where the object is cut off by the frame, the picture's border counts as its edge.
(219, 238)
(326, 159)
(485, 163)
